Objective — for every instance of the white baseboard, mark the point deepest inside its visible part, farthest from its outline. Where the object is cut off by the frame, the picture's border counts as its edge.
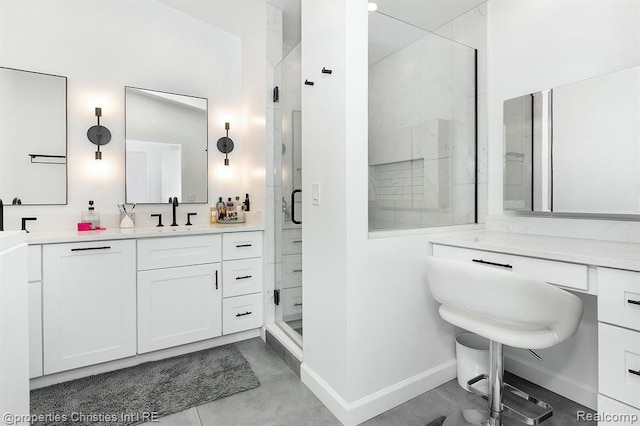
(354, 413)
(551, 380)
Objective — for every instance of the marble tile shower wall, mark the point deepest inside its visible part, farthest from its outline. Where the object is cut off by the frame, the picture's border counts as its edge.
(421, 115)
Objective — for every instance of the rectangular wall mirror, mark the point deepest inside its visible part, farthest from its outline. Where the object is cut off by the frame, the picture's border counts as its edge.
(33, 137)
(166, 147)
(580, 143)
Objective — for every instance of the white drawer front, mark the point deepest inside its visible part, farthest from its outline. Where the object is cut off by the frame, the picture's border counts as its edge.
(292, 241)
(35, 263)
(616, 413)
(292, 270)
(155, 253)
(564, 274)
(242, 245)
(618, 359)
(292, 303)
(241, 277)
(241, 313)
(619, 297)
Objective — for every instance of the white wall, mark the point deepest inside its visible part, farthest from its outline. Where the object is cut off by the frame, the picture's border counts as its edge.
(103, 46)
(536, 45)
(372, 335)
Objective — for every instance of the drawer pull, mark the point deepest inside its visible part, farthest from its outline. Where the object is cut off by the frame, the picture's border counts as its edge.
(633, 302)
(241, 315)
(637, 373)
(296, 241)
(297, 304)
(243, 245)
(243, 278)
(297, 270)
(91, 248)
(486, 262)
(216, 279)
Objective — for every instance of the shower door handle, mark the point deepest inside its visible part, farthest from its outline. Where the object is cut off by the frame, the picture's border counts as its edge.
(293, 206)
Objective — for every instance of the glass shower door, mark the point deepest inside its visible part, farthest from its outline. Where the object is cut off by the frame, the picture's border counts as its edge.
(288, 193)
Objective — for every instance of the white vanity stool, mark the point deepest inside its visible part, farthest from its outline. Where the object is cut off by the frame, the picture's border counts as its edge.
(508, 309)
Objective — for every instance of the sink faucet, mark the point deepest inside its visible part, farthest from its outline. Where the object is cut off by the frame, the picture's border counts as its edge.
(1, 216)
(174, 204)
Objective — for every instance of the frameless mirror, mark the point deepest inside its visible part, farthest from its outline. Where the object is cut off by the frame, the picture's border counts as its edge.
(33, 137)
(588, 158)
(166, 147)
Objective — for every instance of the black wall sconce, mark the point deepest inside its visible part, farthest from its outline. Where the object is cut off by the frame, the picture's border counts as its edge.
(99, 135)
(225, 145)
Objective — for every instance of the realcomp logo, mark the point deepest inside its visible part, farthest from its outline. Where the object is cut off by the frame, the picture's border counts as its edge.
(602, 416)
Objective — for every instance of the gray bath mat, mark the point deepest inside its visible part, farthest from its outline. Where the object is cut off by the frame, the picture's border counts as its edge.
(436, 422)
(135, 394)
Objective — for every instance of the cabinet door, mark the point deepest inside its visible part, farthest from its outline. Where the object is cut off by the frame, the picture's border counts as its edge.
(89, 303)
(178, 305)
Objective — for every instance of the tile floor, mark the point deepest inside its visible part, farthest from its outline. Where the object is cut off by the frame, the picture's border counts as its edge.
(281, 399)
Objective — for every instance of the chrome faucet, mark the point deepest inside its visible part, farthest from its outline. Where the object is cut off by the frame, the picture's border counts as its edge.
(1, 216)
(174, 204)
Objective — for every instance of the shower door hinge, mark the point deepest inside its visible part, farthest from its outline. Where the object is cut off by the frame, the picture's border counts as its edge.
(276, 297)
(276, 94)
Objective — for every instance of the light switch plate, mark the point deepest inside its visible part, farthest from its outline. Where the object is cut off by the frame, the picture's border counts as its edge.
(315, 194)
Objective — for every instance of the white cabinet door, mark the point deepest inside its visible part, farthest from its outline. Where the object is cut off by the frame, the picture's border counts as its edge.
(89, 303)
(179, 305)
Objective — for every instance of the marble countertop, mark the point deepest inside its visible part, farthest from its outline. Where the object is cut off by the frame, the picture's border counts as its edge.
(611, 254)
(67, 236)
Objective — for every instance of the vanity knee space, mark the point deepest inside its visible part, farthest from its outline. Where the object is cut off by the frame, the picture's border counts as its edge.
(101, 301)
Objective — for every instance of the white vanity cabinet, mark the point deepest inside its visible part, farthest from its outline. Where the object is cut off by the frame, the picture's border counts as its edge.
(179, 290)
(242, 306)
(619, 340)
(34, 274)
(89, 303)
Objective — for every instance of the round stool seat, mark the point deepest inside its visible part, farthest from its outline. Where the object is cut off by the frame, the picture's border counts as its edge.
(503, 306)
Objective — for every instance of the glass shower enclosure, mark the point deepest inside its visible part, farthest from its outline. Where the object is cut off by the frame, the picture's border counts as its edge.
(287, 98)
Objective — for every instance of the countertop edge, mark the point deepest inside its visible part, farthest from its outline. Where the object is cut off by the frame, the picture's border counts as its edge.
(71, 236)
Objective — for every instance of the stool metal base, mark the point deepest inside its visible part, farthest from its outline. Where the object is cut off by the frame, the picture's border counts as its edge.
(509, 411)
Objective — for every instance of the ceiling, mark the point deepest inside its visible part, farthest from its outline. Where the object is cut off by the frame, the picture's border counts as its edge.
(425, 14)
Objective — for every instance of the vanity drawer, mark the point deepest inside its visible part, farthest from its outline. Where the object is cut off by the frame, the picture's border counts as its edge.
(292, 302)
(156, 253)
(618, 359)
(241, 277)
(241, 313)
(34, 257)
(624, 414)
(619, 297)
(242, 245)
(292, 241)
(564, 274)
(292, 270)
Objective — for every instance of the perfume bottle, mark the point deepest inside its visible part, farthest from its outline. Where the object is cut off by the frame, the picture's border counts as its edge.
(91, 216)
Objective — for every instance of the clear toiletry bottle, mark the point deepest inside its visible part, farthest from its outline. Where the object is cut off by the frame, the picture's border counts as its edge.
(230, 205)
(91, 216)
(213, 214)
